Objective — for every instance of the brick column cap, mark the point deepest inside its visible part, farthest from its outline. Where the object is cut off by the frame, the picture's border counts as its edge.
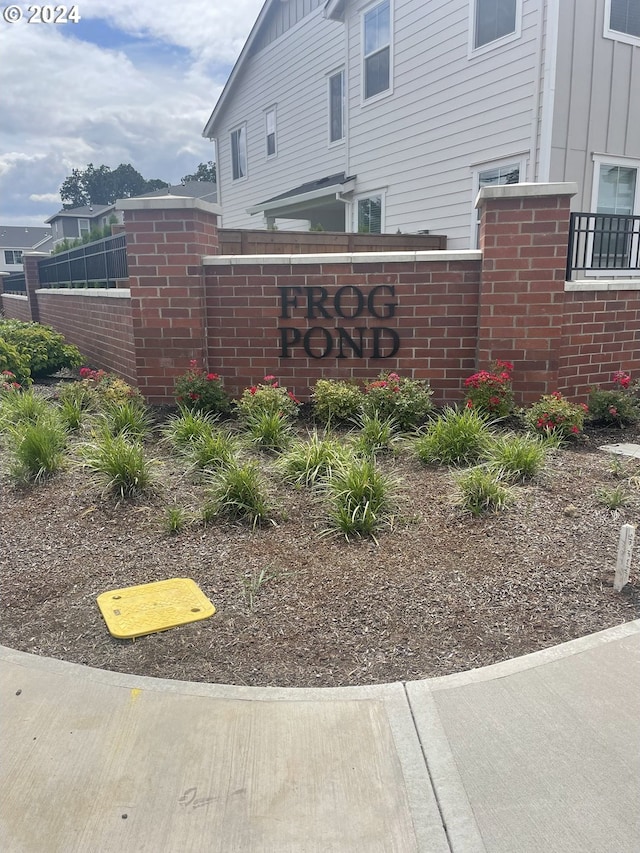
(36, 254)
(512, 191)
(168, 202)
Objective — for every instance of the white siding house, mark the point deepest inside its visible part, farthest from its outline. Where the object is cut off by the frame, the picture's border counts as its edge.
(390, 114)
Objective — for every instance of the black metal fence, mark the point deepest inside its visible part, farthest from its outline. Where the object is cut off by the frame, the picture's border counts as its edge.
(14, 283)
(603, 242)
(102, 263)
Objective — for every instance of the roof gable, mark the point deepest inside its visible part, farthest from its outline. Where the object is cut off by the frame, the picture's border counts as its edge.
(23, 236)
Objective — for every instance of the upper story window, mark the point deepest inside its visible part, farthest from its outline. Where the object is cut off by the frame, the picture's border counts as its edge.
(13, 256)
(622, 20)
(270, 131)
(84, 227)
(494, 20)
(336, 107)
(239, 153)
(376, 70)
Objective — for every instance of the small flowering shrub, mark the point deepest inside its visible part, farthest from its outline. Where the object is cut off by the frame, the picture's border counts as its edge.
(201, 391)
(8, 381)
(618, 406)
(269, 398)
(14, 367)
(43, 348)
(336, 401)
(407, 401)
(490, 390)
(106, 388)
(555, 415)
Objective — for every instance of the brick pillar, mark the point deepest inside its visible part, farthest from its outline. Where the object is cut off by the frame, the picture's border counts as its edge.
(524, 232)
(32, 281)
(166, 239)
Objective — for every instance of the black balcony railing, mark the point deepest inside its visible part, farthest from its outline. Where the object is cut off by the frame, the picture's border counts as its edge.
(601, 243)
(102, 263)
(14, 283)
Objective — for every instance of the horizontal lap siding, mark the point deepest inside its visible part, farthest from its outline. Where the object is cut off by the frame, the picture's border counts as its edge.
(435, 319)
(100, 327)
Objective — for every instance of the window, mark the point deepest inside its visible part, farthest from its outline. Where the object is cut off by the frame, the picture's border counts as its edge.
(336, 107)
(239, 153)
(83, 227)
(617, 198)
(13, 256)
(505, 172)
(493, 20)
(370, 215)
(622, 20)
(377, 50)
(270, 130)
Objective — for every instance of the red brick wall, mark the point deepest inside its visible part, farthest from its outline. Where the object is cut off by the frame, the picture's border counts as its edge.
(15, 307)
(100, 326)
(435, 316)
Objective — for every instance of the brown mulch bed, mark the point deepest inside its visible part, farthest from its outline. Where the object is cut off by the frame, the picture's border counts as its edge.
(441, 592)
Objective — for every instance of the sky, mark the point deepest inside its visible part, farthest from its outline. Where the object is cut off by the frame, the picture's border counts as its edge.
(134, 81)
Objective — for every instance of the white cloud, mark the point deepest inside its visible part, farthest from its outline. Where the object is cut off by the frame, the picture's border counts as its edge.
(80, 103)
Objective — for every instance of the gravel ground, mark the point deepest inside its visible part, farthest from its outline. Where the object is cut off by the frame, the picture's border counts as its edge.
(441, 592)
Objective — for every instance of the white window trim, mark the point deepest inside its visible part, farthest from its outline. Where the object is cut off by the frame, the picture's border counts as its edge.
(333, 143)
(473, 51)
(87, 229)
(613, 160)
(616, 35)
(242, 126)
(387, 92)
(267, 112)
(383, 208)
(521, 159)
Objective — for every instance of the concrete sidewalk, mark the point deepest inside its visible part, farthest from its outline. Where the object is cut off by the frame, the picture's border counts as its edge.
(540, 754)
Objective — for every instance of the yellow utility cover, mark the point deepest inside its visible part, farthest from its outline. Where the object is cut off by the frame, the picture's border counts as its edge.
(151, 607)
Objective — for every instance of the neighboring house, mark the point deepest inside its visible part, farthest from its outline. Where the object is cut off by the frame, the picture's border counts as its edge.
(17, 239)
(76, 222)
(391, 115)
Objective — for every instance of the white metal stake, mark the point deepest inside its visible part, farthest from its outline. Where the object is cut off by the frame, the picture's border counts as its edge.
(625, 550)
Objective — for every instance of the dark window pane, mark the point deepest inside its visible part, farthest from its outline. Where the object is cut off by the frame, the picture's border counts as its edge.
(336, 87)
(625, 17)
(376, 73)
(494, 19)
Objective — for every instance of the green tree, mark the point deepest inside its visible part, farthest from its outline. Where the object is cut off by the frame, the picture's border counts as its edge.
(204, 172)
(102, 185)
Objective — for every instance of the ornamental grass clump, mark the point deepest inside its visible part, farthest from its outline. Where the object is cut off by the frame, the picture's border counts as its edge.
(201, 390)
(212, 450)
(375, 435)
(619, 406)
(75, 401)
(455, 438)
(481, 490)
(238, 493)
(554, 415)
(187, 427)
(131, 418)
(407, 401)
(24, 406)
(490, 391)
(36, 447)
(120, 463)
(307, 463)
(517, 458)
(336, 401)
(360, 499)
(269, 397)
(270, 431)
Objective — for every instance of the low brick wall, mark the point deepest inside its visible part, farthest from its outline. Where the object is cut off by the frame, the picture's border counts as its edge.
(15, 307)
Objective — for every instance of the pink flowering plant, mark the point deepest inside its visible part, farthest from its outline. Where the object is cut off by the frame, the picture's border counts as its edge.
(618, 405)
(201, 390)
(103, 388)
(8, 381)
(490, 391)
(554, 415)
(406, 401)
(268, 397)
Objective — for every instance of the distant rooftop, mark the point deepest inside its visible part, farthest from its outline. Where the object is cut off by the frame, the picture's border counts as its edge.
(24, 236)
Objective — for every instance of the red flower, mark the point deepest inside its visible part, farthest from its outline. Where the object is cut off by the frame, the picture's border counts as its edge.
(269, 378)
(194, 396)
(575, 430)
(85, 372)
(211, 377)
(613, 411)
(394, 376)
(621, 378)
(253, 389)
(469, 404)
(193, 364)
(292, 397)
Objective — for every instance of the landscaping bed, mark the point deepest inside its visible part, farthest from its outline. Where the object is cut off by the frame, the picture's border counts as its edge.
(439, 592)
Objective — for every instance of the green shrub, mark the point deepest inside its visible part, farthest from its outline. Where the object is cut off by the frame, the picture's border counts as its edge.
(481, 490)
(270, 398)
(213, 449)
(14, 366)
(517, 458)
(375, 435)
(360, 499)
(336, 401)
(407, 401)
(188, 426)
(553, 414)
(614, 498)
(44, 348)
(268, 430)
(309, 462)
(120, 463)
(490, 391)
(455, 438)
(36, 447)
(201, 391)
(74, 402)
(619, 406)
(131, 418)
(238, 493)
(175, 519)
(22, 407)
(106, 388)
